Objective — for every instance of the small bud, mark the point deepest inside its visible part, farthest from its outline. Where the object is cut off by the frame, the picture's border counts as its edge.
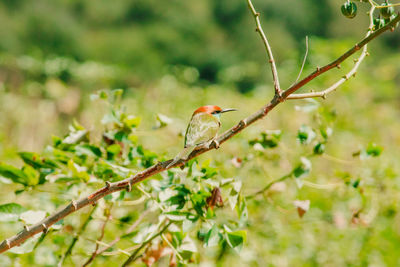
(73, 203)
(8, 244)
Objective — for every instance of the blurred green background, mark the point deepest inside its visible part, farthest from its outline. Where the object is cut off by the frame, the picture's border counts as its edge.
(171, 57)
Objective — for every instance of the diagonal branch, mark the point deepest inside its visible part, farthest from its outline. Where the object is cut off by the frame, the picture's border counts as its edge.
(260, 31)
(161, 166)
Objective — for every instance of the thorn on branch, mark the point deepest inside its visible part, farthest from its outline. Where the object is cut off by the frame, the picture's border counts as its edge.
(108, 184)
(355, 60)
(94, 203)
(354, 74)
(357, 47)
(73, 204)
(318, 69)
(129, 187)
(323, 96)
(26, 228)
(257, 14)
(45, 229)
(338, 66)
(8, 244)
(367, 54)
(345, 77)
(270, 61)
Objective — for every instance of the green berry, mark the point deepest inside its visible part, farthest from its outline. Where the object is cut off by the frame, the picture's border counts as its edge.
(349, 9)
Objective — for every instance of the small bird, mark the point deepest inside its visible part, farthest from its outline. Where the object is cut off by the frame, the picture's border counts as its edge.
(202, 130)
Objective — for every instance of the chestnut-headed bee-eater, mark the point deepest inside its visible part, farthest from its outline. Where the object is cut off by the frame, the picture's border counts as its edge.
(202, 130)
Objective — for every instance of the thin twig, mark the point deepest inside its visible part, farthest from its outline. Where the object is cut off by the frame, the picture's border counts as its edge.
(304, 61)
(103, 227)
(350, 74)
(76, 237)
(133, 257)
(41, 239)
(268, 186)
(337, 62)
(127, 232)
(259, 29)
(161, 166)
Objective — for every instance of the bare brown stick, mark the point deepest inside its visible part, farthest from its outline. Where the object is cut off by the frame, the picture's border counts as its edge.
(260, 31)
(103, 227)
(76, 237)
(161, 166)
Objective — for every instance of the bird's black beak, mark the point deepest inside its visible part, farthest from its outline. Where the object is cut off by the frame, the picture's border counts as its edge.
(228, 109)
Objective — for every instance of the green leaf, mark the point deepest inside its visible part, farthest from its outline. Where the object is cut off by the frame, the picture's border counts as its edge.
(236, 239)
(305, 135)
(319, 149)
(269, 139)
(188, 245)
(36, 161)
(176, 215)
(78, 171)
(373, 150)
(233, 198)
(162, 121)
(326, 132)
(87, 149)
(10, 212)
(303, 169)
(12, 173)
(212, 237)
(131, 121)
(77, 126)
(75, 137)
(32, 176)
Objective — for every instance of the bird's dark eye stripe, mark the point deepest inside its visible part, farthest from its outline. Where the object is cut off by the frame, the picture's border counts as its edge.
(216, 112)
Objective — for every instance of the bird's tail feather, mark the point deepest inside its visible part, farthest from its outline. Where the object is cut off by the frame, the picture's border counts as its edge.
(183, 155)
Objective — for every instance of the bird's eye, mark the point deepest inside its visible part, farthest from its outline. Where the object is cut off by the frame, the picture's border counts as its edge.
(216, 112)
